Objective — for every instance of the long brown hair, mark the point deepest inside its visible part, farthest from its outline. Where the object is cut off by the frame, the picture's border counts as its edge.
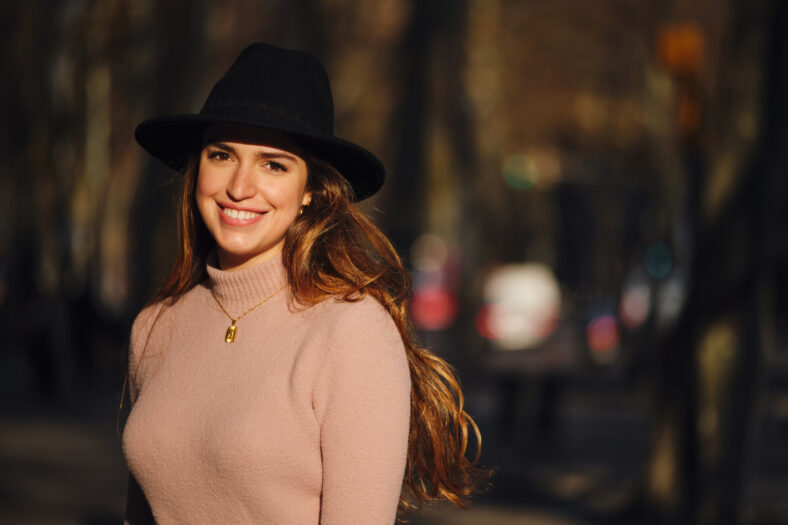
(332, 249)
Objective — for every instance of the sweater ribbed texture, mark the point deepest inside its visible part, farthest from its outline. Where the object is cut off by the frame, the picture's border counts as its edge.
(303, 420)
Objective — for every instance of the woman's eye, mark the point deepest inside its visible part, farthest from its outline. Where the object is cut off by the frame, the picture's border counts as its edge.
(219, 155)
(276, 166)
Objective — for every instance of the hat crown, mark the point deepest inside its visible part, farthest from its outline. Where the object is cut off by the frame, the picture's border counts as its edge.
(278, 89)
(284, 86)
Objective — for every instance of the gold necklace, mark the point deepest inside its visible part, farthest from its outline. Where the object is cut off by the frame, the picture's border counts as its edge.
(229, 336)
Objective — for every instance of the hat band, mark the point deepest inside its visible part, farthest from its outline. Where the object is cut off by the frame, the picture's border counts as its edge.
(264, 115)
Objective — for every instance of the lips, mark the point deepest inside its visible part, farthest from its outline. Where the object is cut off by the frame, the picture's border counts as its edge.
(240, 214)
(235, 217)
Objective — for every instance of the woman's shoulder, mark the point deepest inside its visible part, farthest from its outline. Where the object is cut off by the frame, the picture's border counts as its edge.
(364, 313)
(153, 311)
(144, 322)
(364, 358)
(352, 327)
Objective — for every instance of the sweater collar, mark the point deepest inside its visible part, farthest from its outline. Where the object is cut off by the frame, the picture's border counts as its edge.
(239, 290)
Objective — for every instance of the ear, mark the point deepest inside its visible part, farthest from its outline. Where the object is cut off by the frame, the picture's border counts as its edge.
(306, 199)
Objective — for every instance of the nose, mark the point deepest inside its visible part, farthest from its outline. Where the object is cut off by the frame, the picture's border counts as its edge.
(241, 186)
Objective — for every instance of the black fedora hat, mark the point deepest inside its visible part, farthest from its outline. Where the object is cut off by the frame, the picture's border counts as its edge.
(273, 88)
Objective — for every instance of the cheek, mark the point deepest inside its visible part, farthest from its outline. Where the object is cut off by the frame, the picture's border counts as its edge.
(204, 190)
(284, 195)
(207, 184)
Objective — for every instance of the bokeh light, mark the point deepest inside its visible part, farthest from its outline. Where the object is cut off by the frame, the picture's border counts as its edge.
(435, 269)
(539, 166)
(602, 333)
(433, 307)
(659, 260)
(520, 172)
(636, 299)
(483, 322)
(429, 253)
(523, 306)
(671, 296)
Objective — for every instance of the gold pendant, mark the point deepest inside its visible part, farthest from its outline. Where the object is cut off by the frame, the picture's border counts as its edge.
(229, 336)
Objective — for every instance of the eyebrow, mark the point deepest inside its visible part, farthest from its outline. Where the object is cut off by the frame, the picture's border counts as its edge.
(263, 154)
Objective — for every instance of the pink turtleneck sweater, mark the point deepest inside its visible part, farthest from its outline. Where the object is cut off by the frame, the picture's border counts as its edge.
(302, 420)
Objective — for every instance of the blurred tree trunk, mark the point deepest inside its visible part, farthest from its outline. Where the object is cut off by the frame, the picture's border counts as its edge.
(407, 186)
(759, 196)
(711, 366)
(35, 212)
(172, 51)
(436, 166)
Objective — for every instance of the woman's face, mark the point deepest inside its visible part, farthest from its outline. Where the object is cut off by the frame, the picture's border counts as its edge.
(250, 187)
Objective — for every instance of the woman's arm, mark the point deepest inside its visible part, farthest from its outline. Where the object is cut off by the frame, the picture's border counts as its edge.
(363, 403)
(138, 511)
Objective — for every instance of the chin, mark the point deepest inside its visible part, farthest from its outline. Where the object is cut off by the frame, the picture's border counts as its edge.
(241, 255)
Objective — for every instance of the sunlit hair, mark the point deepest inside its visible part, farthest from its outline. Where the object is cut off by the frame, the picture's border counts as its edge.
(331, 250)
(194, 241)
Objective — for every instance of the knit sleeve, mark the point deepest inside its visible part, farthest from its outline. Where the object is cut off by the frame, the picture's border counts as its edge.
(362, 400)
(140, 331)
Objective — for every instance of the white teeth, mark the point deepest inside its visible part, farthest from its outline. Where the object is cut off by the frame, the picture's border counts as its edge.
(239, 214)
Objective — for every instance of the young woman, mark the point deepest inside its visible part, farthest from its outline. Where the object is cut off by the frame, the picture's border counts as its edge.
(275, 377)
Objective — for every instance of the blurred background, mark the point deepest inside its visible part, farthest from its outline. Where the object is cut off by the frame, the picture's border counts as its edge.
(590, 196)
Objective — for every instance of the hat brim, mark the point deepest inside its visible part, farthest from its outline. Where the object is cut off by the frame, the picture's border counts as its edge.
(174, 138)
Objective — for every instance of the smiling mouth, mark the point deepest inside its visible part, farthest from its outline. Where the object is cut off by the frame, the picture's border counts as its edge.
(241, 215)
